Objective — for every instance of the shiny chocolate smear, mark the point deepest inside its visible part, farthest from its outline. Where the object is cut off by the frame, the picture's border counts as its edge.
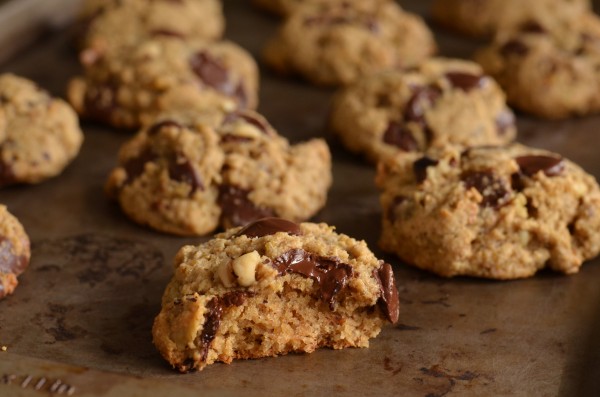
(135, 166)
(9, 262)
(237, 209)
(422, 99)
(420, 167)
(505, 121)
(156, 128)
(212, 72)
(388, 301)
(495, 191)
(398, 135)
(250, 118)
(465, 81)
(184, 171)
(531, 165)
(212, 318)
(268, 226)
(329, 274)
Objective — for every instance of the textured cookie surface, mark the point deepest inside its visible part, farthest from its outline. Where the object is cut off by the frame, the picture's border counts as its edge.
(502, 213)
(331, 44)
(441, 102)
(14, 251)
(486, 17)
(272, 288)
(132, 88)
(549, 67)
(188, 173)
(287, 7)
(114, 24)
(39, 135)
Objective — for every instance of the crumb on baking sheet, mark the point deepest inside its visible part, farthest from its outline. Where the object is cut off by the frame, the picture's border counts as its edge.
(4, 348)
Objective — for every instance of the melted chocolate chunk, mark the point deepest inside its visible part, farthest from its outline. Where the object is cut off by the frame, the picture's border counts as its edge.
(250, 118)
(466, 81)
(423, 98)
(505, 121)
(494, 190)
(420, 167)
(155, 129)
(532, 27)
(100, 103)
(268, 226)
(212, 318)
(531, 165)
(237, 209)
(135, 166)
(185, 172)
(212, 72)
(398, 135)
(329, 274)
(388, 300)
(514, 47)
(9, 262)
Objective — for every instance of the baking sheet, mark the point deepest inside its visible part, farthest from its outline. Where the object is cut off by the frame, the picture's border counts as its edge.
(83, 311)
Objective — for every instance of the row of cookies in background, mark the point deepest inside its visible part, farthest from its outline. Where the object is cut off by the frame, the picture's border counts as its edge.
(446, 207)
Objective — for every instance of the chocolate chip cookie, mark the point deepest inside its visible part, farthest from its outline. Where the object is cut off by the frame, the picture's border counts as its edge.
(188, 173)
(39, 135)
(271, 288)
(441, 102)
(111, 25)
(482, 18)
(549, 67)
(333, 44)
(14, 251)
(493, 212)
(133, 88)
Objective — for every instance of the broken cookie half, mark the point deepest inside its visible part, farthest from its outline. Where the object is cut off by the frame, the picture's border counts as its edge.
(271, 288)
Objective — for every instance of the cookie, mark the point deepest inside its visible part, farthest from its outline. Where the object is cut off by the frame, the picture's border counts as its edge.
(111, 25)
(549, 69)
(288, 7)
(189, 173)
(492, 212)
(481, 18)
(14, 251)
(332, 44)
(133, 88)
(39, 135)
(441, 102)
(272, 288)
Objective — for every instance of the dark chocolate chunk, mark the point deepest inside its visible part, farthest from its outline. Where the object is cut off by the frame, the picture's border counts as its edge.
(466, 81)
(505, 121)
(531, 165)
(155, 129)
(241, 95)
(237, 209)
(229, 138)
(495, 191)
(330, 275)
(9, 262)
(532, 27)
(514, 47)
(135, 166)
(250, 118)
(391, 213)
(212, 318)
(388, 300)
(398, 135)
(184, 171)
(212, 72)
(268, 226)
(423, 98)
(100, 102)
(420, 167)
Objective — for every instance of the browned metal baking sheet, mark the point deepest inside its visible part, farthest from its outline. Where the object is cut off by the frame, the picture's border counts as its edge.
(83, 311)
